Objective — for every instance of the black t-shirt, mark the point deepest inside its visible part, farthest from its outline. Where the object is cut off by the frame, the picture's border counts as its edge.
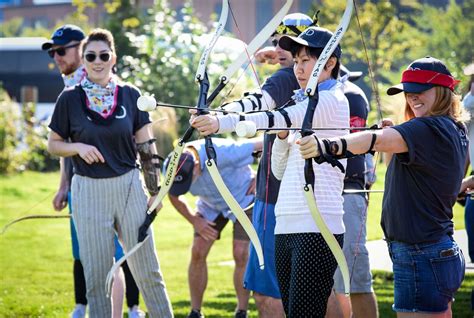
(280, 87)
(358, 107)
(113, 136)
(422, 184)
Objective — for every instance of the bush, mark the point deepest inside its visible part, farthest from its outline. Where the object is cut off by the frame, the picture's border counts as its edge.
(9, 120)
(35, 137)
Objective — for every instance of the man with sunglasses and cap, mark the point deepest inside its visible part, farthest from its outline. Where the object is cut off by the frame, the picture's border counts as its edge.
(64, 47)
(212, 213)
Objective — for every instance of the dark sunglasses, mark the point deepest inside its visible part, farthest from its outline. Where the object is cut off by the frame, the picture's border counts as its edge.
(61, 50)
(105, 57)
(275, 42)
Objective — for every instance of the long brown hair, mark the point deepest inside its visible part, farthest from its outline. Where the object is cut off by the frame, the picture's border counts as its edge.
(447, 103)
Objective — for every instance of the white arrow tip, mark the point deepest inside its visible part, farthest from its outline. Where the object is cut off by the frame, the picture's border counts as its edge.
(246, 129)
(146, 103)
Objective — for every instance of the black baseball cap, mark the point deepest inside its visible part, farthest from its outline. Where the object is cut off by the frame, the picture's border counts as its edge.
(313, 36)
(423, 74)
(63, 35)
(184, 175)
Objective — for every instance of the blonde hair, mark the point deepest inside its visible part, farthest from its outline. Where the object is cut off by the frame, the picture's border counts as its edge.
(101, 35)
(446, 103)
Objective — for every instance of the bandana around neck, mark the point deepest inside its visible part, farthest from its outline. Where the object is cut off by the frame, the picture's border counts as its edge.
(102, 100)
(75, 77)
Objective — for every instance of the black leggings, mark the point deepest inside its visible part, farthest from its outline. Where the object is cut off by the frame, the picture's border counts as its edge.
(305, 268)
(131, 289)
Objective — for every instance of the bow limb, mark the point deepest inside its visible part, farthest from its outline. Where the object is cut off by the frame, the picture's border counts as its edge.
(199, 77)
(236, 209)
(306, 129)
(253, 46)
(34, 216)
(204, 103)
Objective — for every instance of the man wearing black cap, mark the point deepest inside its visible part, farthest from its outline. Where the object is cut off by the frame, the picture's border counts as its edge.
(65, 48)
(212, 213)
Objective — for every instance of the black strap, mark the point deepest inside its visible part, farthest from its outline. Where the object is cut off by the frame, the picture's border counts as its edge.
(372, 144)
(242, 106)
(285, 115)
(271, 119)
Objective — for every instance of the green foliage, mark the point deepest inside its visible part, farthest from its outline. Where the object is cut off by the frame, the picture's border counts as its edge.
(9, 119)
(448, 34)
(168, 53)
(123, 18)
(383, 32)
(35, 136)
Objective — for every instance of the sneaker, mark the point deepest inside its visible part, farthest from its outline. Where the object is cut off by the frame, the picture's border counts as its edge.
(195, 314)
(79, 311)
(241, 313)
(135, 312)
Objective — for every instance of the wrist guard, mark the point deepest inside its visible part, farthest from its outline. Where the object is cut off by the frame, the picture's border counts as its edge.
(150, 166)
(328, 151)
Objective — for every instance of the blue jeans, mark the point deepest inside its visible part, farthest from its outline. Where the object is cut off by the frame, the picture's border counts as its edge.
(427, 275)
(469, 222)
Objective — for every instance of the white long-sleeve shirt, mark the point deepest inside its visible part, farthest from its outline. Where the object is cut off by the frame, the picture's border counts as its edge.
(292, 212)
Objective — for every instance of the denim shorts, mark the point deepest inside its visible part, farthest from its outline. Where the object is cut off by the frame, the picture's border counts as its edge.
(427, 275)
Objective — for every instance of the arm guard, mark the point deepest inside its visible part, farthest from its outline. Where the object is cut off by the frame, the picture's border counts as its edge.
(328, 151)
(150, 165)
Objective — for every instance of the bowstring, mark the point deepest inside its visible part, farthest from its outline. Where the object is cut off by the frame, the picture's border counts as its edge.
(251, 64)
(380, 116)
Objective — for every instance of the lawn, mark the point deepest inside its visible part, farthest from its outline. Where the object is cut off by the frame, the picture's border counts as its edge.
(36, 261)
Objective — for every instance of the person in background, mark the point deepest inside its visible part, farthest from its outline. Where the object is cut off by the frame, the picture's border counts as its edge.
(468, 103)
(422, 182)
(98, 117)
(212, 212)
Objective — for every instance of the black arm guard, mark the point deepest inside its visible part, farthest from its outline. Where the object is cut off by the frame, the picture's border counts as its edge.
(328, 151)
(150, 165)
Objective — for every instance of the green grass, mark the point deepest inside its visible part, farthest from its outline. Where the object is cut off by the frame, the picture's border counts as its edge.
(36, 261)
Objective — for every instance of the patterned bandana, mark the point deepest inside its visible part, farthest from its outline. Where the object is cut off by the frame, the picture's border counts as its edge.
(75, 77)
(102, 100)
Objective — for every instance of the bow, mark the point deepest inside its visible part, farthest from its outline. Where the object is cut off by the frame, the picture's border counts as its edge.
(31, 217)
(176, 154)
(204, 103)
(306, 130)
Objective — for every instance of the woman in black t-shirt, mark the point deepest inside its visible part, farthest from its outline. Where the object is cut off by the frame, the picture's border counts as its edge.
(421, 185)
(106, 130)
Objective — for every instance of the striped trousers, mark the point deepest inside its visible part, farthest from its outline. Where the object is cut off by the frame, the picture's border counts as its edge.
(100, 208)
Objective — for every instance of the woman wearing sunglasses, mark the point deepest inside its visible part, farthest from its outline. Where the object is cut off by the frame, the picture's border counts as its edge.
(107, 130)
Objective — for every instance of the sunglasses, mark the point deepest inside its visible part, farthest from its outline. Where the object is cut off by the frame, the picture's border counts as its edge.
(105, 57)
(275, 42)
(61, 50)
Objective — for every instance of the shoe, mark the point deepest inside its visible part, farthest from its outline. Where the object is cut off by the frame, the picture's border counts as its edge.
(195, 314)
(241, 313)
(79, 311)
(135, 312)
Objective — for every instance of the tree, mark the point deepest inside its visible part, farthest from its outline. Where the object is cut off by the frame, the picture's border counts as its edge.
(383, 30)
(448, 34)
